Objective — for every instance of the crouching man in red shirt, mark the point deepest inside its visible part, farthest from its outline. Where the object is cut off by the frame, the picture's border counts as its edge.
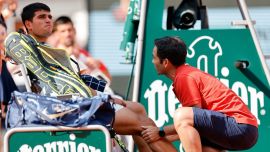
(212, 117)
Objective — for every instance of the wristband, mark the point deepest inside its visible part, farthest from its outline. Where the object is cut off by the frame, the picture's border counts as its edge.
(161, 132)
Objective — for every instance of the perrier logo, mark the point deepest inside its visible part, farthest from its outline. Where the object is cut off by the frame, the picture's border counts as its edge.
(60, 146)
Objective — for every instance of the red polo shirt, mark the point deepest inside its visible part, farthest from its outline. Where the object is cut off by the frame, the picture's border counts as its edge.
(195, 87)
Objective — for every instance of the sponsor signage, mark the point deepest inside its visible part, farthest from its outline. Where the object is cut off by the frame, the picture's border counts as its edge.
(57, 140)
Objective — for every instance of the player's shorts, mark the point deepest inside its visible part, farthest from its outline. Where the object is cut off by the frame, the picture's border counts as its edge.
(222, 132)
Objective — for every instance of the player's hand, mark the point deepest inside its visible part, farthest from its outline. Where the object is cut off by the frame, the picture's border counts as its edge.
(119, 101)
(150, 133)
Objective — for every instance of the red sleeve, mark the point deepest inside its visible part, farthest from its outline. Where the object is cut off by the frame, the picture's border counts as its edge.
(187, 90)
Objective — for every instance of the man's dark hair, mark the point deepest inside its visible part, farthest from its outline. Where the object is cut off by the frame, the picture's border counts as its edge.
(172, 48)
(28, 11)
(62, 20)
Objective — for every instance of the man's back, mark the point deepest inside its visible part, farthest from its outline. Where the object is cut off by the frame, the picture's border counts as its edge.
(192, 87)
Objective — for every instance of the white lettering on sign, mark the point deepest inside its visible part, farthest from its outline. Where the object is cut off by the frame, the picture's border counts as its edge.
(204, 59)
(156, 92)
(60, 146)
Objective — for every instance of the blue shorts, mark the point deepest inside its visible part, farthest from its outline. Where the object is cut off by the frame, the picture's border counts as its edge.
(222, 132)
